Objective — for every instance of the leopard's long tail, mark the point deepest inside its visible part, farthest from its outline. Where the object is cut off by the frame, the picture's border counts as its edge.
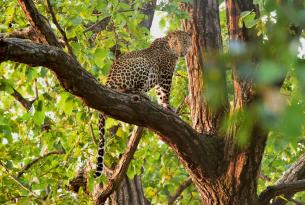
(101, 144)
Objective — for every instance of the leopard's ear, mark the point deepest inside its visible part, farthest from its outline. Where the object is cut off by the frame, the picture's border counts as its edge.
(170, 34)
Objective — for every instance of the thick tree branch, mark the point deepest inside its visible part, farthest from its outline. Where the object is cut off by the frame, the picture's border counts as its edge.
(204, 25)
(243, 84)
(121, 168)
(181, 188)
(198, 154)
(24, 33)
(27, 33)
(280, 189)
(30, 164)
(46, 34)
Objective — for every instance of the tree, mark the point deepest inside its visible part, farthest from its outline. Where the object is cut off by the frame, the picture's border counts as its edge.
(232, 118)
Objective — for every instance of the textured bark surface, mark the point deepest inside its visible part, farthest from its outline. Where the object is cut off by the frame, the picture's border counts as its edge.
(243, 164)
(206, 43)
(38, 23)
(130, 192)
(237, 179)
(243, 86)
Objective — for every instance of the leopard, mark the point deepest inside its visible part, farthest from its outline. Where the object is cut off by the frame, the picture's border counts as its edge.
(140, 71)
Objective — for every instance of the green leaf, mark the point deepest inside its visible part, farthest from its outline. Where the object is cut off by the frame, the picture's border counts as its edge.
(269, 73)
(39, 117)
(91, 183)
(99, 56)
(39, 112)
(3, 27)
(101, 5)
(5, 85)
(66, 103)
(248, 18)
(6, 132)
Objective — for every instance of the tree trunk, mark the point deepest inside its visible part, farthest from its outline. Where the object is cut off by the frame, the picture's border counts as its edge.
(206, 43)
(235, 182)
(130, 192)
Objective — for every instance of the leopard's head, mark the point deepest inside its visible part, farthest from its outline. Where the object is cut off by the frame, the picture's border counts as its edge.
(179, 42)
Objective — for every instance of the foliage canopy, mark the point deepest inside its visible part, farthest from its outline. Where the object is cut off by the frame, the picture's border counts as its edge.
(58, 122)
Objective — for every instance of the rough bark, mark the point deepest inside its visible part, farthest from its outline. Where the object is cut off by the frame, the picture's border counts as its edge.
(242, 82)
(38, 23)
(130, 192)
(206, 43)
(24, 33)
(237, 182)
(243, 162)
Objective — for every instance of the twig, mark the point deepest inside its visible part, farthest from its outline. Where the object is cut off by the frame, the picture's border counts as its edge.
(276, 190)
(13, 199)
(181, 106)
(24, 102)
(99, 26)
(29, 165)
(102, 24)
(36, 90)
(92, 134)
(121, 167)
(264, 177)
(63, 33)
(26, 187)
(181, 188)
(182, 76)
